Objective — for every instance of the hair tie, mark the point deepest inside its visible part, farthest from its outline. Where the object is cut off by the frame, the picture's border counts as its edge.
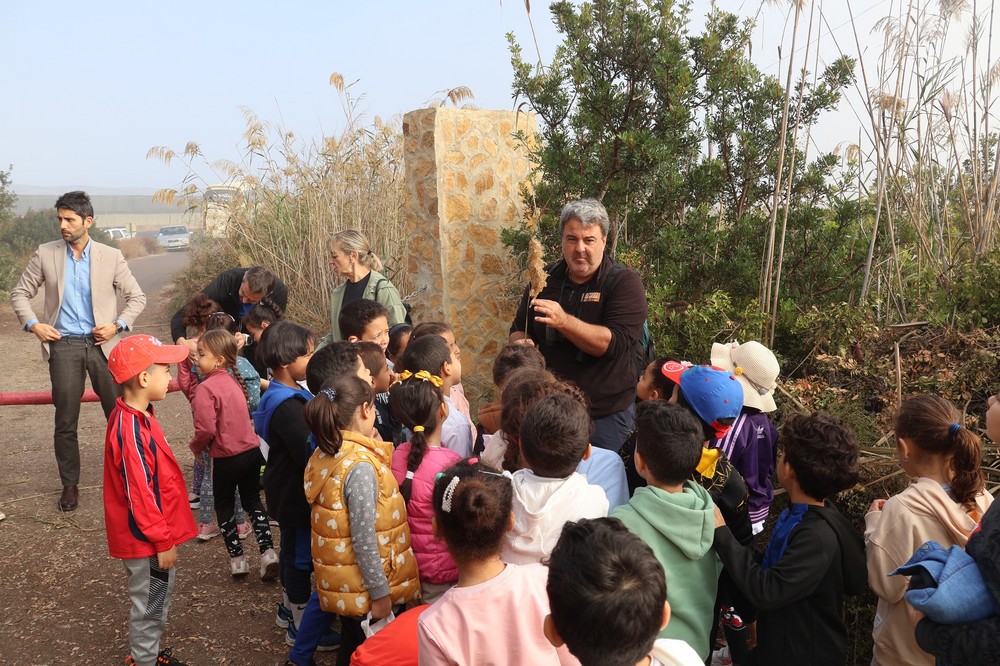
(409, 475)
(449, 493)
(422, 375)
(418, 428)
(954, 428)
(331, 394)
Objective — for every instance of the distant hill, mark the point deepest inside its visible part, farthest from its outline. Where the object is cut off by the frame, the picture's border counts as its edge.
(106, 201)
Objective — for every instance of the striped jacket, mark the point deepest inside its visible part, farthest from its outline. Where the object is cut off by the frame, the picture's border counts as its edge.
(145, 500)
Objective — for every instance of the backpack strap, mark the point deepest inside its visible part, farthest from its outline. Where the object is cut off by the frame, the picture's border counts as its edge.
(378, 286)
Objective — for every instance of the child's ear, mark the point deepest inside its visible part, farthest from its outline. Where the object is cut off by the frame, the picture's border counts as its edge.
(640, 463)
(654, 394)
(442, 411)
(511, 520)
(905, 447)
(446, 369)
(353, 338)
(588, 451)
(549, 629)
(666, 615)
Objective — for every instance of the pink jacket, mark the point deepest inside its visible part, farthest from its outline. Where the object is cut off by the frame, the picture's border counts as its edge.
(433, 561)
(221, 421)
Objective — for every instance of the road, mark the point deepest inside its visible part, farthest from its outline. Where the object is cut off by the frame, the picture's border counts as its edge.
(155, 271)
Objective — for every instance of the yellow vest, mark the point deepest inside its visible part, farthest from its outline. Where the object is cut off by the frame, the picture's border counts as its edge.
(339, 581)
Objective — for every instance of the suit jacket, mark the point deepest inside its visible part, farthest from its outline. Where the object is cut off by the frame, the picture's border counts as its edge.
(109, 278)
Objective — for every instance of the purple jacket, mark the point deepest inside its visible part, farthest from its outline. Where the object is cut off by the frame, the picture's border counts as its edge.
(752, 447)
(433, 561)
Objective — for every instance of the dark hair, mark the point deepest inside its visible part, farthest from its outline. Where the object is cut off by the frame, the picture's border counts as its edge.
(222, 343)
(259, 280)
(823, 452)
(197, 309)
(429, 353)
(371, 356)
(479, 516)
(663, 384)
(356, 315)
(669, 439)
(555, 434)
(333, 409)
(430, 328)
(415, 402)
(282, 342)
(221, 320)
(523, 387)
(335, 360)
(606, 592)
(77, 201)
(515, 357)
(396, 334)
(265, 312)
(934, 426)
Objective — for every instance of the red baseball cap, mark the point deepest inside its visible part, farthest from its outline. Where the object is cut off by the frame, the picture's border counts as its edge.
(136, 353)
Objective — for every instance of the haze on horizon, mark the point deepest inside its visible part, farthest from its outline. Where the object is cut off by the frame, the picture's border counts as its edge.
(93, 87)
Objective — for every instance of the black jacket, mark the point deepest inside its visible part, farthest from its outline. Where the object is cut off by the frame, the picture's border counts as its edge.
(289, 452)
(800, 599)
(972, 643)
(225, 290)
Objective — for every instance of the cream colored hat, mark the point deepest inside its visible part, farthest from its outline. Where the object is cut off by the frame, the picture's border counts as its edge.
(754, 366)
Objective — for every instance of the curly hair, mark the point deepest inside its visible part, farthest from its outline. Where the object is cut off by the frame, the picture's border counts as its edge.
(822, 451)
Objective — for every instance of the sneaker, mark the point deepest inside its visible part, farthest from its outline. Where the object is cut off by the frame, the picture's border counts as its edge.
(283, 617)
(731, 619)
(268, 565)
(167, 658)
(329, 642)
(721, 657)
(243, 530)
(194, 500)
(238, 566)
(208, 531)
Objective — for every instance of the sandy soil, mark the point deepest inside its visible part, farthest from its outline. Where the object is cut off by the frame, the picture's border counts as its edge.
(64, 598)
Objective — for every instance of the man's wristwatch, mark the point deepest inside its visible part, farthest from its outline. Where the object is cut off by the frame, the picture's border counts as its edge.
(120, 327)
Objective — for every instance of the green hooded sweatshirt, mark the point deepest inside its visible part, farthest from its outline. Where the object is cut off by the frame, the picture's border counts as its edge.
(680, 528)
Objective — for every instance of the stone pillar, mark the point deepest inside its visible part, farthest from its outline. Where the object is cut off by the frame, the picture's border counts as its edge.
(464, 173)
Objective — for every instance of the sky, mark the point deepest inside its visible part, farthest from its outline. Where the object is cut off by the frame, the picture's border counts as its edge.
(91, 87)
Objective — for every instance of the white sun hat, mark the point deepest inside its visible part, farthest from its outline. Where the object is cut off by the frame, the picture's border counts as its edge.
(755, 367)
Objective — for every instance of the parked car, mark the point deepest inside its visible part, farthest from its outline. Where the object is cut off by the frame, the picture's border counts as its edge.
(174, 238)
(119, 233)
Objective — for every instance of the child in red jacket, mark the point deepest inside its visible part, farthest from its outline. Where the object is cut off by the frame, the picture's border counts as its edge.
(146, 510)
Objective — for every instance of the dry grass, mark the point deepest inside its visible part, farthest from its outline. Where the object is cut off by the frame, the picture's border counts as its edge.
(133, 248)
(296, 194)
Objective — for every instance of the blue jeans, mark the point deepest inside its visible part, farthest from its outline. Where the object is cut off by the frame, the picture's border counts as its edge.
(315, 623)
(611, 431)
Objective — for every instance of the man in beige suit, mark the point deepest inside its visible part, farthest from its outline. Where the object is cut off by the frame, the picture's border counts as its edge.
(80, 324)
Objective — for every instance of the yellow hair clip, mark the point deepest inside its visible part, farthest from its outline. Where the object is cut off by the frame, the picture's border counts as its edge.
(737, 370)
(422, 375)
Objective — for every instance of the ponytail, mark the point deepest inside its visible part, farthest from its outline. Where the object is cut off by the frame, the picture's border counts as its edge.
(968, 481)
(934, 426)
(333, 410)
(415, 401)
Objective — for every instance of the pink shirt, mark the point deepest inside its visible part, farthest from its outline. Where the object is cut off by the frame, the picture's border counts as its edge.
(496, 623)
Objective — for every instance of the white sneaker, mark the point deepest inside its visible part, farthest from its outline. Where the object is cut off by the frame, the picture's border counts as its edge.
(238, 566)
(721, 657)
(268, 565)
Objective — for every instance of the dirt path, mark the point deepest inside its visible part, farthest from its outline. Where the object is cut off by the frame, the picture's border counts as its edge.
(63, 598)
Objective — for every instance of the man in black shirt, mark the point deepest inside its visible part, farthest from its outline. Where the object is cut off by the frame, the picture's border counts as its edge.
(236, 291)
(588, 330)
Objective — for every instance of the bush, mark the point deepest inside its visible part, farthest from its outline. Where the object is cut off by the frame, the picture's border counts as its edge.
(133, 248)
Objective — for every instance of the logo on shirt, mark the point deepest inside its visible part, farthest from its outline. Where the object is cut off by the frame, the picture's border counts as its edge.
(591, 297)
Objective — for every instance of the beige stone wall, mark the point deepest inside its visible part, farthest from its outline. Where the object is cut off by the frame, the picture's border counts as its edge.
(464, 171)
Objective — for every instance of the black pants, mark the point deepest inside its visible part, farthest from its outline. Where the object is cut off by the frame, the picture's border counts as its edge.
(240, 472)
(71, 360)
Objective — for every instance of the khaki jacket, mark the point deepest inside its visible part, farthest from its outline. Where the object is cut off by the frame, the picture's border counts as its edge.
(110, 277)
